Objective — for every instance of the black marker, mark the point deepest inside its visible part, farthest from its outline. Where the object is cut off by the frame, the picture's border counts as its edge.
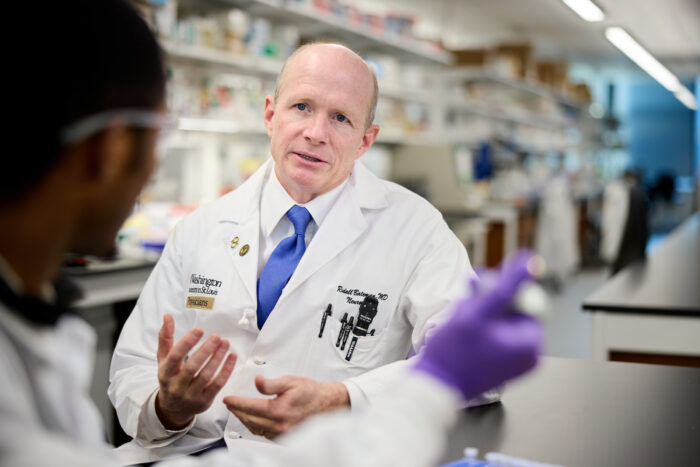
(344, 322)
(348, 327)
(351, 349)
(325, 316)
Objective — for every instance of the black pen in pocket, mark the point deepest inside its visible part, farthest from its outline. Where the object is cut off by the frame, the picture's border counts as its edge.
(344, 322)
(348, 327)
(324, 317)
(351, 349)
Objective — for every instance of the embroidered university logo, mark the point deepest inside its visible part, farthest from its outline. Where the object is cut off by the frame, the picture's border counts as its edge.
(200, 284)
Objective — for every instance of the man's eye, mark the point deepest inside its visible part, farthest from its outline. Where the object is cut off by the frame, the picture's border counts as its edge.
(301, 107)
(341, 118)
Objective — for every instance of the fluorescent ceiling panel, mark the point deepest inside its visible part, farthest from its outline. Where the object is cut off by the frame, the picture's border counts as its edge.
(586, 9)
(646, 61)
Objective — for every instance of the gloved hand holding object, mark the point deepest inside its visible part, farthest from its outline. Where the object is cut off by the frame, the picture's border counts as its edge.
(487, 340)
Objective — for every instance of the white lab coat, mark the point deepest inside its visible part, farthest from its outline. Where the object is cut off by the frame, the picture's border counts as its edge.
(378, 239)
(47, 417)
(46, 414)
(556, 238)
(616, 201)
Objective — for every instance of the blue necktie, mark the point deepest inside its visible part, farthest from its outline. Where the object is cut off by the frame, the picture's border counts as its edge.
(281, 264)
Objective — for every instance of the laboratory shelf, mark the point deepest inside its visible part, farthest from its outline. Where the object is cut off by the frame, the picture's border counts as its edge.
(412, 139)
(267, 68)
(405, 94)
(231, 127)
(314, 23)
(246, 64)
(220, 126)
(524, 86)
(521, 117)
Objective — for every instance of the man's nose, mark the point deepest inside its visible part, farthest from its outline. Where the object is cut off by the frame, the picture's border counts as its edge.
(316, 129)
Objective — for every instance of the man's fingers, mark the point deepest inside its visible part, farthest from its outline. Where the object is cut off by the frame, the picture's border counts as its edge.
(260, 426)
(177, 354)
(209, 370)
(200, 357)
(218, 382)
(165, 337)
(249, 406)
(271, 386)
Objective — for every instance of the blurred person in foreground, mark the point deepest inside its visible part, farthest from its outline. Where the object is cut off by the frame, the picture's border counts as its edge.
(89, 157)
(311, 237)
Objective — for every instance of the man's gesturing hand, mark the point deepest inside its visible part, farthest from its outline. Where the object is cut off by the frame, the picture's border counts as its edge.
(188, 387)
(296, 399)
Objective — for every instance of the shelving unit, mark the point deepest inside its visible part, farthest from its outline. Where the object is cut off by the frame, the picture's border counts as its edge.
(220, 126)
(520, 117)
(439, 113)
(524, 86)
(244, 64)
(360, 37)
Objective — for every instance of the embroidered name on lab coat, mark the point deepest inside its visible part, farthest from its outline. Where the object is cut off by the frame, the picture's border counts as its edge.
(359, 293)
(202, 303)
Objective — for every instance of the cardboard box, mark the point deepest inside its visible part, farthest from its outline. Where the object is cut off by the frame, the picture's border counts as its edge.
(472, 57)
(552, 73)
(582, 93)
(519, 55)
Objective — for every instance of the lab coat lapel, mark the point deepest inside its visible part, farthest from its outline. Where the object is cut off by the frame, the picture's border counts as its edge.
(344, 224)
(241, 218)
(246, 265)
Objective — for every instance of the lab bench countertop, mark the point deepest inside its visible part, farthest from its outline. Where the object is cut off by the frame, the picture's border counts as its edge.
(667, 283)
(582, 413)
(109, 282)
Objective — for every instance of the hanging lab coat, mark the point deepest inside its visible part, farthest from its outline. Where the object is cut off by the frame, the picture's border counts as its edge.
(616, 200)
(379, 239)
(47, 417)
(556, 238)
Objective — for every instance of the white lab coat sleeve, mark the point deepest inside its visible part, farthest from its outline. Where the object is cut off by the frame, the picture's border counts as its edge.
(28, 445)
(24, 441)
(408, 427)
(439, 278)
(151, 429)
(358, 400)
(134, 369)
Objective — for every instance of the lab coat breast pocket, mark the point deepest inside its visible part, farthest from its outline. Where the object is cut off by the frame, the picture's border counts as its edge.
(340, 354)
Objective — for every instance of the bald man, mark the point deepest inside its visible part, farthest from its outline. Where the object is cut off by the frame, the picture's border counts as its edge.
(320, 277)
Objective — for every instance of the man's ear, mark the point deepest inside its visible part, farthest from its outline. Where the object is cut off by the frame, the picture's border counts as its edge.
(367, 140)
(107, 154)
(269, 113)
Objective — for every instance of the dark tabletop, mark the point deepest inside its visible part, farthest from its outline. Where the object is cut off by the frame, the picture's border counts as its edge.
(668, 282)
(591, 414)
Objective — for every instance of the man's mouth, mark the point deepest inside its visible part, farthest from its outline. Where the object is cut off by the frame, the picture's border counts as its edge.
(308, 158)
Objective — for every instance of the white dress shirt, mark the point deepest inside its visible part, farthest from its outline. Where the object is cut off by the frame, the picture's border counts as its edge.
(276, 226)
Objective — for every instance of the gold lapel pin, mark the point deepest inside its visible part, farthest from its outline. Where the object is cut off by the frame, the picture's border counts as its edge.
(244, 250)
(234, 242)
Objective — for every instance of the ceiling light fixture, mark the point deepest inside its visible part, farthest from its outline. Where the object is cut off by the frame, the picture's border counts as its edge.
(639, 55)
(687, 98)
(586, 9)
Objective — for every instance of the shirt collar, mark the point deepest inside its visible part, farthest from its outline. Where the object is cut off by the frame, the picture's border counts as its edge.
(33, 309)
(276, 202)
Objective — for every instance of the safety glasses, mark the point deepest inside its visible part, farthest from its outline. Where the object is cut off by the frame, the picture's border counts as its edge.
(90, 125)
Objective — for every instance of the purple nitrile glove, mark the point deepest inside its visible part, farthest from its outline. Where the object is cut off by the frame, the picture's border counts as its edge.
(486, 341)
